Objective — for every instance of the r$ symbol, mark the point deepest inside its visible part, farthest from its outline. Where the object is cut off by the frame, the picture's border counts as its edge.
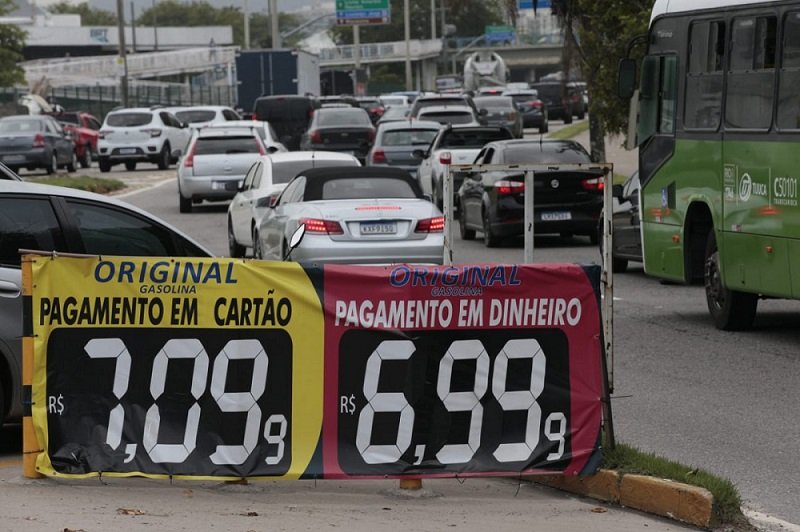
(347, 405)
(55, 405)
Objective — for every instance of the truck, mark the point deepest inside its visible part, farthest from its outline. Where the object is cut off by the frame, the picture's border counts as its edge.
(275, 72)
(484, 68)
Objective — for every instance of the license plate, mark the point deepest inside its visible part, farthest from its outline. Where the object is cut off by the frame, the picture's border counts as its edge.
(225, 185)
(14, 159)
(127, 151)
(378, 228)
(556, 216)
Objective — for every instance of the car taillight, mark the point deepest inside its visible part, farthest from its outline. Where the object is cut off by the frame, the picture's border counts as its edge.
(535, 103)
(261, 149)
(594, 184)
(102, 134)
(430, 225)
(322, 227)
(445, 157)
(188, 162)
(38, 141)
(316, 136)
(505, 187)
(152, 132)
(379, 156)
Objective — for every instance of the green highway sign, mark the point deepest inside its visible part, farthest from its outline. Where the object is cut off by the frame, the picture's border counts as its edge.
(361, 12)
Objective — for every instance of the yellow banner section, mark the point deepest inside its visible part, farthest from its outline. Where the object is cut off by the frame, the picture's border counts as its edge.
(181, 294)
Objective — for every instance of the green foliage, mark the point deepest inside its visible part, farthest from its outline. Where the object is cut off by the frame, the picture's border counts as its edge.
(175, 13)
(469, 16)
(89, 16)
(570, 131)
(12, 40)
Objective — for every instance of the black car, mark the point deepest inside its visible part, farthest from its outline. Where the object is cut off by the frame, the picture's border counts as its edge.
(288, 115)
(36, 141)
(556, 95)
(342, 129)
(627, 238)
(532, 109)
(566, 202)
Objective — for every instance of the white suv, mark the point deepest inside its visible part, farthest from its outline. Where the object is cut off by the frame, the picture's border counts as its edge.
(138, 135)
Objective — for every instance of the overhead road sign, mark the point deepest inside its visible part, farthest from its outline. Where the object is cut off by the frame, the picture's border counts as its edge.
(362, 12)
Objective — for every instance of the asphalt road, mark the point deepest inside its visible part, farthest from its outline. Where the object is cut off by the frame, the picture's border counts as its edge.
(725, 402)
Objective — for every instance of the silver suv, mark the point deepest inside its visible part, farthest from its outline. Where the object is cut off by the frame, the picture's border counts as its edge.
(135, 135)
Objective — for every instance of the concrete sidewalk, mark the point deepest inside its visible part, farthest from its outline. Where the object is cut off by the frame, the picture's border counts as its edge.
(625, 162)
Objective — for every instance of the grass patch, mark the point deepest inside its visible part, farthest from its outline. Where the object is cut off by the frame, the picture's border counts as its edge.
(568, 132)
(627, 459)
(99, 185)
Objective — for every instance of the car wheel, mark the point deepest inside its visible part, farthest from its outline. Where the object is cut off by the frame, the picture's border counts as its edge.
(104, 164)
(567, 117)
(619, 265)
(130, 166)
(257, 252)
(731, 310)
(581, 115)
(164, 158)
(594, 238)
(234, 249)
(53, 166)
(184, 204)
(544, 128)
(72, 165)
(466, 234)
(2, 404)
(86, 159)
(490, 239)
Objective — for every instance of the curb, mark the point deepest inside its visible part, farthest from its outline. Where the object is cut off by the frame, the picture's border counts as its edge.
(667, 498)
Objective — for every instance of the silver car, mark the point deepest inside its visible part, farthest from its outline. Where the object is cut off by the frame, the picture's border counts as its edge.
(354, 215)
(49, 218)
(263, 183)
(395, 143)
(215, 164)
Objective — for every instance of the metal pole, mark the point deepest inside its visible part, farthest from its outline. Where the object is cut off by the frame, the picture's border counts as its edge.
(123, 89)
(608, 271)
(447, 205)
(356, 57)
(528, 196)
(273, 18)
(133, 27)
(155, 28)
(407, 22)
(433, 19)
(246, 25)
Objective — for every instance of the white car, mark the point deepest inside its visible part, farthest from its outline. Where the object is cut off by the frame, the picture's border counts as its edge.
(216, 163)
(198, 116)
(264, 130)
(449, 114)
(264, 181)
(139, 134)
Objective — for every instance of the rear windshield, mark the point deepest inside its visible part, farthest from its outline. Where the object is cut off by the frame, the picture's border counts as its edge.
(20, 126)
(550, 91)
(520, 98)
(448, 117)
(278, 109)
(285, 171)
(546, 153)
(441, 101)
(502, 102)
(129, 119)
(196, 116)
(473, 139)
(343, 117)
(69, 118)
(366, 188)
(408, 137)
(226, 145)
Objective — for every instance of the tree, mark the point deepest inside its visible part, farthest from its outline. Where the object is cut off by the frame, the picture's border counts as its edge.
(89, 16)
(175, 13)
(12, 41)
(597, 34)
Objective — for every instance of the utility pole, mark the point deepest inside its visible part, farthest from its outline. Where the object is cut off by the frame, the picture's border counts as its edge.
(133, 27)
(356, 57)
(122, 53)
(407, 21)
(246, 25)
(273, 18)
(433, 20)
(155, 28)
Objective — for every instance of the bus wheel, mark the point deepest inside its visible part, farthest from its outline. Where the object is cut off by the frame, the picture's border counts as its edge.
(731, 310)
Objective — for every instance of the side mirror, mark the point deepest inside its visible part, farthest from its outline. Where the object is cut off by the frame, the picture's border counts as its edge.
(419, 154)
(272, 149)
(616, 191)
(626, 78)
(295, 240)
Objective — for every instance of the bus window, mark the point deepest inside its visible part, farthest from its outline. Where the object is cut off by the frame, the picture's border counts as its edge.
(751, 75)
(704, 76)
(788, 97)
(657, 96)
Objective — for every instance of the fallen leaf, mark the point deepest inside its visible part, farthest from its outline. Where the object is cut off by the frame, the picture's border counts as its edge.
(251, 514)
(129, 511)
(599, 510)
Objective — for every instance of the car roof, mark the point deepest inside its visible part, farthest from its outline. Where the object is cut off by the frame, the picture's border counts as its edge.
(316, 177)
(441, 108)
(410, 124)
(219, 131)
(22, 187)
(543, 144)
(309, 156)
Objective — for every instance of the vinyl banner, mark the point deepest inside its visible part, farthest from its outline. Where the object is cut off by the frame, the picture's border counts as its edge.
(223, 368)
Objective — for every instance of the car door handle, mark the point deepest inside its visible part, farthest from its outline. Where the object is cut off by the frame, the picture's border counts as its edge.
(8, 289)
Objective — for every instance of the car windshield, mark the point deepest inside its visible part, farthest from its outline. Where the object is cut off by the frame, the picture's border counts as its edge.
(69, 118)
(501, 102)
(390, 100)
(522, 98)
(396, 111)
(433, 102)
(196, 115)
(128, 119)
(226, 145)
(285, 171)
(343, 117)
(549, 91)
(546, 153)
(20, 126)
(448, 117)
(472, 139)
(366, 188)
(408, 137)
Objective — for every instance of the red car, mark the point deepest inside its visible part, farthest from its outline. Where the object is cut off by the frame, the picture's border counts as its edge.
(83, 127)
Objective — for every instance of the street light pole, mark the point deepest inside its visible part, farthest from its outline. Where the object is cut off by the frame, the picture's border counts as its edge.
(407, 21)
(246, 25)
(122, 53)
(273, 18)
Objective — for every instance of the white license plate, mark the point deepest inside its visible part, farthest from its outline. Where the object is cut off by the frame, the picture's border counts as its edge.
(556, 216)
(378, 228)
(13, 158)
(127, 151)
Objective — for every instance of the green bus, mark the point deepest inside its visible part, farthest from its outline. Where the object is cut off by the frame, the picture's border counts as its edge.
(719, 150)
